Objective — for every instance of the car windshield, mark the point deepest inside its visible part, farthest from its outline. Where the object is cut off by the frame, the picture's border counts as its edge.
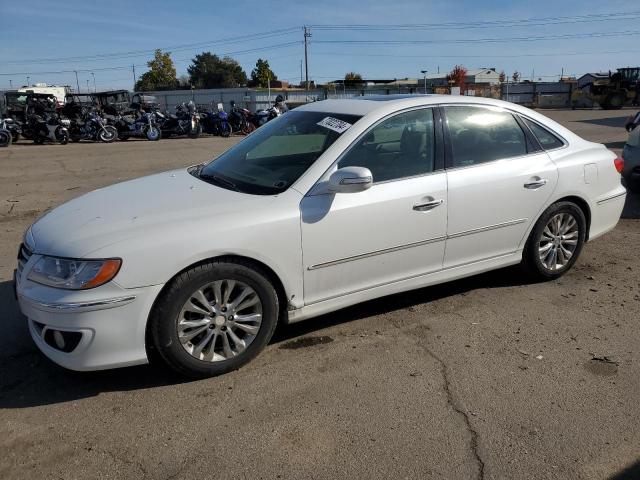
(273, 157)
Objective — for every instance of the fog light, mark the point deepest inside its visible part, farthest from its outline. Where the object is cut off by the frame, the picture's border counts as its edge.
(59, 339)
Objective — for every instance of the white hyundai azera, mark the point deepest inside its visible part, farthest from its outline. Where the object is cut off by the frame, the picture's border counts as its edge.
(334, 203)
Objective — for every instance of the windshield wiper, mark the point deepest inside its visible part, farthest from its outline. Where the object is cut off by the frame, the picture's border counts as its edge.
(221, 181)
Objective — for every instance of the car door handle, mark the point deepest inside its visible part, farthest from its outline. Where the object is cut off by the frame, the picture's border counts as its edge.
(536, 184)
(424, 207)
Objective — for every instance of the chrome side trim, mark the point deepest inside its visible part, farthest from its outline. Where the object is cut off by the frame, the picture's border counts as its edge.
(376, 252)
(96, 304)
(415, 244)
(600, 202)
(411, 277)
(487, 228)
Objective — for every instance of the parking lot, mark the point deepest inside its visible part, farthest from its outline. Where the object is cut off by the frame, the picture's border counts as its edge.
(488, 377)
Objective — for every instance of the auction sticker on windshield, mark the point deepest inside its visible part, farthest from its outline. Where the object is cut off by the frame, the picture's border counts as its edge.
(334, 124)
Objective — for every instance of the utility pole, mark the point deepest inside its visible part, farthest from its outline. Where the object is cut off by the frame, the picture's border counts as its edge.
(133, 69)
(307, 34)
(77, 82)
(424, 72)
(10, 85)
(87, 85)
(28, 80)
(94, 82)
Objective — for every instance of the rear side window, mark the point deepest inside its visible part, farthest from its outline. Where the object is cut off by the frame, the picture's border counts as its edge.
(481, 134)
(547, 140)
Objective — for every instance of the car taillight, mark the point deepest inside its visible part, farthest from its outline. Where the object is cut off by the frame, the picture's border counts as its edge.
(619, 164)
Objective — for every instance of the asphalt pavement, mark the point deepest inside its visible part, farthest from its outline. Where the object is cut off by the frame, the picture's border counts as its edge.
(490, 377)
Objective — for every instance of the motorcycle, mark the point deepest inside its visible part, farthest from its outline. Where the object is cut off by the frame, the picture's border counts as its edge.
(91, 126)
(142, 124)
(5, 135)
(216, 123)
(239, 120)
(263, 116)
(48, 127)
(186, 121)
(10, 131)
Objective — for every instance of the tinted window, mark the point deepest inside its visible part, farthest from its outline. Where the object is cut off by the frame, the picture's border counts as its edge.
(401, 146)
(480, 134)
(547, 140)
(269, 160)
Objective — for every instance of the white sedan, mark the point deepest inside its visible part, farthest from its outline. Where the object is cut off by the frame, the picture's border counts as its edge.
(334, 203)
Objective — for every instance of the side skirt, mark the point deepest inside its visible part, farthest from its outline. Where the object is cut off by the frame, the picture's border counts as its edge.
(440, 276)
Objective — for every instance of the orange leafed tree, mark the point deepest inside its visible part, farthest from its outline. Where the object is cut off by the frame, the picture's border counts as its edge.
(457, 77)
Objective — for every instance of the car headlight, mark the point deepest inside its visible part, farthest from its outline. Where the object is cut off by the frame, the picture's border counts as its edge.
(73, 274)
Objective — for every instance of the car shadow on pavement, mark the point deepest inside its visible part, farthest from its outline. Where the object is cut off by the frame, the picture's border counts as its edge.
(29, 379)
(618, 121)
(632, 472)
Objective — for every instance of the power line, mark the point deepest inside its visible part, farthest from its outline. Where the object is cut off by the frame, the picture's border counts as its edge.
(138, 53)
(455, 55)
(529, 22)
(485, 40)
(128, 67)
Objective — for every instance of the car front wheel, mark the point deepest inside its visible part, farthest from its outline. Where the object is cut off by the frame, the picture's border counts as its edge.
(555, 241)
(214, 318)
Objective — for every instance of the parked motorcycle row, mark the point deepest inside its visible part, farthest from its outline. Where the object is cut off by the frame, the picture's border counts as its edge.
(100, 118)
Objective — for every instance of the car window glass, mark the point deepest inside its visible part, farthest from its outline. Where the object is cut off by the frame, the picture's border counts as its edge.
(481, 134)
(399, 147)
(272, 158)
(547, 140)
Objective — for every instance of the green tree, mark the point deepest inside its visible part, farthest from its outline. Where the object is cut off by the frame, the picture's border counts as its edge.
(262, 74)
(353, 79)
(210, 71)
(161, 74)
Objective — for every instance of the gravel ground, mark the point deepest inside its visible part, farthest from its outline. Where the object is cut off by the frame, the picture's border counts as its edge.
(487, 377)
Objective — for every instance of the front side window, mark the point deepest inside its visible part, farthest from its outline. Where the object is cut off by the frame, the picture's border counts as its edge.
(547, 140)
(483, 134)
(272, 158)
(399, 147)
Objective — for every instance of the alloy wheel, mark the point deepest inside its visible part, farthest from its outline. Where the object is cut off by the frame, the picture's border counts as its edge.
(219, 320)
(558, 241)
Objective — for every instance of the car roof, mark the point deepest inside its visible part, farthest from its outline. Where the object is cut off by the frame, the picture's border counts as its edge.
(381, 105)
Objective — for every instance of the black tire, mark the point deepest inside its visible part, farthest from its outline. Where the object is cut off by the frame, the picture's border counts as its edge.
(63, 138)
(162, 327)
(108, 135)
(123, 137)
(226, 130)
(614, 101)
(531, 261)
(195, 133)
(153, 134)
(15, 137)
(5, 138)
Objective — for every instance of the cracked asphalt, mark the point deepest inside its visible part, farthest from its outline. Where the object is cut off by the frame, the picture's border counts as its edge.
(489, 377)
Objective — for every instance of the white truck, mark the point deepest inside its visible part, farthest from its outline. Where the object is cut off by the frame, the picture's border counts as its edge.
(59, 92)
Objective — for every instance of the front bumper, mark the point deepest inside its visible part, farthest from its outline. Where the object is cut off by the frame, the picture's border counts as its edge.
(88, 330)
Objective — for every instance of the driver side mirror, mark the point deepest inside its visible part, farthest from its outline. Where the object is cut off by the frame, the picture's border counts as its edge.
(350, 180)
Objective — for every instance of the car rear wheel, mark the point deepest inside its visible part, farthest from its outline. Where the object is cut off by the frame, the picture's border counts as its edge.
(213, 318)
(555, 241)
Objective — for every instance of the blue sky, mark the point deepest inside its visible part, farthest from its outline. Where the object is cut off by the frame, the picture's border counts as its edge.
(36, 35)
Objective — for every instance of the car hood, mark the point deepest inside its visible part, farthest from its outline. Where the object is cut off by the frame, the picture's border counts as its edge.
(145, 206)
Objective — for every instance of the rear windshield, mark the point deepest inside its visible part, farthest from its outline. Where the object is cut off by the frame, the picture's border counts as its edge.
(272, 158)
